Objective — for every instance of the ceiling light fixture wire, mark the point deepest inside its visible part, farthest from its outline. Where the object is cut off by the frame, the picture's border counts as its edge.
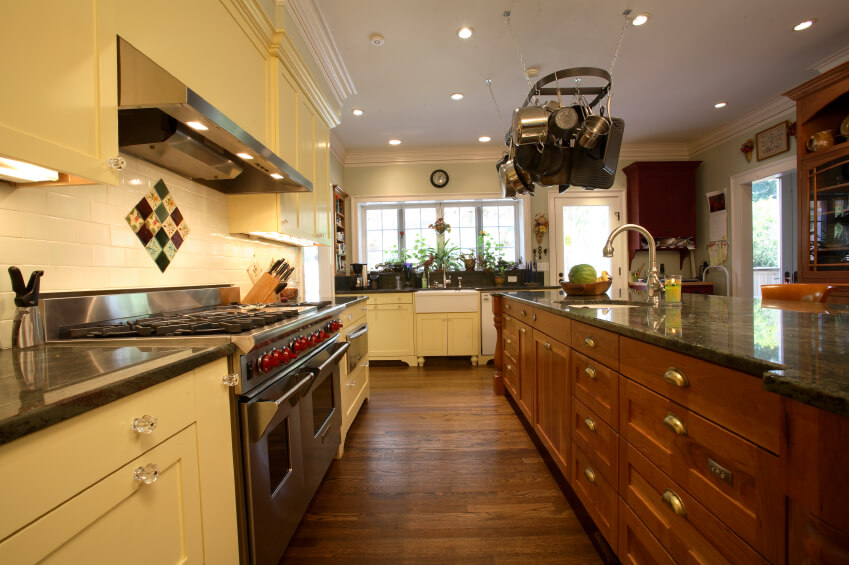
(507, 14)
(488, 83)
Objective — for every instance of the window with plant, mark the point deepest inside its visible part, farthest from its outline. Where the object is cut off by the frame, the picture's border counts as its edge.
(450, 231)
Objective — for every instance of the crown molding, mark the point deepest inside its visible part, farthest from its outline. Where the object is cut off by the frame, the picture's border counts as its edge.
(312, 26)
(831, 61)
(397, 156)
(748, 121)
(252, 19)
(654, 152)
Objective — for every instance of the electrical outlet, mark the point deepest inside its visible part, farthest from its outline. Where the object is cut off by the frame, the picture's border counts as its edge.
(512, 278)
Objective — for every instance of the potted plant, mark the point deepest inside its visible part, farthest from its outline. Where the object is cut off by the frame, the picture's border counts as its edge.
(469, 261)
(501, 269)
(488, 252)
(440, 226)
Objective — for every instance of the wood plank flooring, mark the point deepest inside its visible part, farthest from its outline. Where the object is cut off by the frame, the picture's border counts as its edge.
(438, 469)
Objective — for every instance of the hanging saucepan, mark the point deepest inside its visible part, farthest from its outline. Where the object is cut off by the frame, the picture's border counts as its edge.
(592, 131)
(526, 157)
(563, 121)
(510, 182)
(526, 180)
(502, 176)
(530, 125)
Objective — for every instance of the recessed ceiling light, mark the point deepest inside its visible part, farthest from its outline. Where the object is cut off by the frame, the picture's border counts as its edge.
(245, 156)
(640, 19)
(376, 39)
(484, 139)
(394, 142)
(804, 25)
(457, 96)
(465, 32)
(276, 176)
(357, 112)
(197, 126)
(720, 105)
(532, 72)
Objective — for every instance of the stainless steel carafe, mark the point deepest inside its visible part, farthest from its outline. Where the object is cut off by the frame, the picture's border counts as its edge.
(27, 328)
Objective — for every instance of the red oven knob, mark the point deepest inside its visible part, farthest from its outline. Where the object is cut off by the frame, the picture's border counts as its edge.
(313, 338)
(287, 355)
(276, 357)
(265, 363)
(322, 335)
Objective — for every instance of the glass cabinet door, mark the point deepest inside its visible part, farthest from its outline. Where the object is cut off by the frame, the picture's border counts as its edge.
(829, 215)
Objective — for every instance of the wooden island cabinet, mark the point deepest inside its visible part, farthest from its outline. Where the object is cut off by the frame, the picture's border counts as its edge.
(675, 459)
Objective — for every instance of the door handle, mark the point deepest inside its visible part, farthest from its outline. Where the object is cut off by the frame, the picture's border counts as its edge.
(260, 414)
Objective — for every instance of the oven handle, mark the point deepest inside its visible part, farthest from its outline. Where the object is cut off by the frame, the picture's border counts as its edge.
(358, 333)
(332, 361)
(262, 413)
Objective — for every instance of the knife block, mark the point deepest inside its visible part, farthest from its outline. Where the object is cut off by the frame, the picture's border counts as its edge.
(262, 291)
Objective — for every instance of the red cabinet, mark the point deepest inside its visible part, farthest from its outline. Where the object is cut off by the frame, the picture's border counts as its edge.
(662, 199)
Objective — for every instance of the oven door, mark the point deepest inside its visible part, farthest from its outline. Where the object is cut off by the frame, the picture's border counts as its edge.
(321, 416)
(274, 471)
(359, 347)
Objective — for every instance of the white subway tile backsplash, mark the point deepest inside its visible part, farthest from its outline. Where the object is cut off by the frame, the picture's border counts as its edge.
(80, 238)
(70, 207)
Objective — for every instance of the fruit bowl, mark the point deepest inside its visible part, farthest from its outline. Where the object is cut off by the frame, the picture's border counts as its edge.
(590, 289)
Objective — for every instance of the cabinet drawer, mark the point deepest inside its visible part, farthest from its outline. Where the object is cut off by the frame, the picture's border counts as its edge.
(92, 445)
(393, 298)
(97, 525)
(636, 544)
(734, 400)
(734, 479)
(597, 344)
(596, 386)
(556, 326)
(353, 316)
(511, 376)
(353, 384)
(597, 495)
(521, 311)
(511, 345)
(688, 531)
(596, 439)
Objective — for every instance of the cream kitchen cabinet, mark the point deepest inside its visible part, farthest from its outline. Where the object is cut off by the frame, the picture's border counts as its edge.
(57, 88)
(391, 327)
(449, 333)
(78, 491)
(355, 385)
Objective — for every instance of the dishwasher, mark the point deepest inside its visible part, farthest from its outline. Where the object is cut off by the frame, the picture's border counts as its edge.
(488, 335)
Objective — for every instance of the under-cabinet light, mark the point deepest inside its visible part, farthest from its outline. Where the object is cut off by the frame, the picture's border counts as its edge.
(197, 126)
(18, 171)
(276, 176)
(283, 238)
(245, 156)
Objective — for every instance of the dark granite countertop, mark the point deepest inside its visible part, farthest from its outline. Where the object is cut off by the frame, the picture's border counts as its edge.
(799, 349)
(44, 385)
(480, 288)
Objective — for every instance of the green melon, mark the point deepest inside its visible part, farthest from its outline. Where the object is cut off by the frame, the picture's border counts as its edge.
(582, 274)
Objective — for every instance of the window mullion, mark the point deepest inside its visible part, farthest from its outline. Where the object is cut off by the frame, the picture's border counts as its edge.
(400, 236)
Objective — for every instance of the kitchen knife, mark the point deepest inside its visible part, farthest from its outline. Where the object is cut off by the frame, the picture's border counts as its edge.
(281, 269)
(288, 273)
(274, 266)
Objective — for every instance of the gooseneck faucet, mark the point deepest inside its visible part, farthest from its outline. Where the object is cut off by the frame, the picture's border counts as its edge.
(653, 281)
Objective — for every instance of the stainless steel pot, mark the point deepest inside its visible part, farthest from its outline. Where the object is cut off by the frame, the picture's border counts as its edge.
(530, 125)
(563, 121)
(594, 128)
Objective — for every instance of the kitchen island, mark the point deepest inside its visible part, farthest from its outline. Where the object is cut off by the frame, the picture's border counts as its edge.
(711, 428)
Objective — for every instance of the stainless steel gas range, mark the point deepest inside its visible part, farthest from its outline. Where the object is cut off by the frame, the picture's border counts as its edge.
(285, 377)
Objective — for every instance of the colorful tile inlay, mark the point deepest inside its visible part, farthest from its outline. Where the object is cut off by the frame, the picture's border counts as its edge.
(158, 223)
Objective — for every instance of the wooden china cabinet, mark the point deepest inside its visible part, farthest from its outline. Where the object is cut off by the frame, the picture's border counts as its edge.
(340, 245)
(822, 104)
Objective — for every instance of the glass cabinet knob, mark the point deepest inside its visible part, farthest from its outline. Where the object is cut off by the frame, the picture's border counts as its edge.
(147, 474)
(117, 163)
(144, 425)
(230, 380)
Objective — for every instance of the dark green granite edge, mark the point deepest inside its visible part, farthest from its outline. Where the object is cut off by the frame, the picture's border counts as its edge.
(43, 417)
(793, 385)
(349, 301)
(754, 367)
(503, 288)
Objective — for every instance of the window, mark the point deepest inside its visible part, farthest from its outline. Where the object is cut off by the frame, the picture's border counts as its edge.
(388, 227)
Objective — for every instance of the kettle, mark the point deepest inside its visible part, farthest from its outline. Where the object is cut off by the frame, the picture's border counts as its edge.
(27, 328)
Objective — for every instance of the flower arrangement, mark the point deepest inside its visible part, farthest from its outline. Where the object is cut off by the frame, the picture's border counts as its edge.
(440, 226)
(747, 148)
(540, 226)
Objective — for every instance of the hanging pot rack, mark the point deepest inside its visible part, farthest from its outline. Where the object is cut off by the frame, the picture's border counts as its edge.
(541, 88)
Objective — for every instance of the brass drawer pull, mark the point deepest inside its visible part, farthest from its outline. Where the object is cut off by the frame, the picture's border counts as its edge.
(590, 372)
(589, 341)
(521, 330)
(675, 377)
(675, 424)
(523, 313)
(508, 318)
(590, 424)
(548, 346)
(506, 306)
(674, 502)
(509, 367)
(535, 317)
(508, 341)
(589, 474)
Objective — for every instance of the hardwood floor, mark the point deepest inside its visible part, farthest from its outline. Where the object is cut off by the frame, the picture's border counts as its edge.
(438, 469)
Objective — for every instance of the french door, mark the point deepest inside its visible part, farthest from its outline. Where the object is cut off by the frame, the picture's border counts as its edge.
(582, 222)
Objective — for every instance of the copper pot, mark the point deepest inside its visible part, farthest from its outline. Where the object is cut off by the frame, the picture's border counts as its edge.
(821, 140)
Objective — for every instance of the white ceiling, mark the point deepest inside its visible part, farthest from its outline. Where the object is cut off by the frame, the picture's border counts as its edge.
(668, 75)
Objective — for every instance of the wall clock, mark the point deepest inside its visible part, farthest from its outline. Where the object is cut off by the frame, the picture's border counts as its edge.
(439, 178)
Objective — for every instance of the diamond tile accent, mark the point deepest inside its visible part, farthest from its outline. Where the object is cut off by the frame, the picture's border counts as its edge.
(158, 223)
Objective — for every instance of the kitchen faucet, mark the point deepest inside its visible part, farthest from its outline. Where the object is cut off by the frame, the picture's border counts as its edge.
(727, 277)
(446, 280)
(652, 281)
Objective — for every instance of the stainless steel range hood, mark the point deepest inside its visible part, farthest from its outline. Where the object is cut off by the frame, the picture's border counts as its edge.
(161, 120)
